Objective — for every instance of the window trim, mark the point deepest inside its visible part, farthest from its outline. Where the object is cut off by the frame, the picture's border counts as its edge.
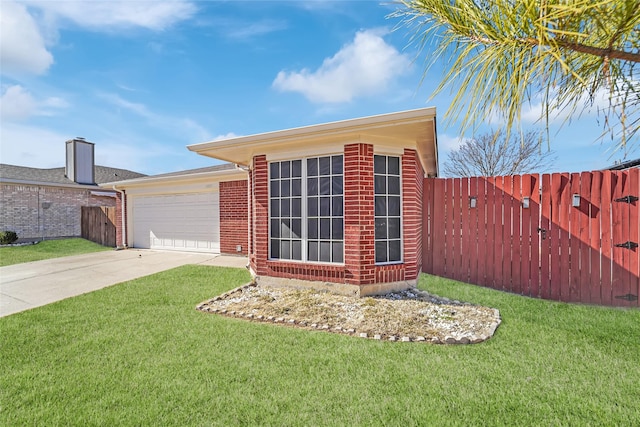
(401, 216)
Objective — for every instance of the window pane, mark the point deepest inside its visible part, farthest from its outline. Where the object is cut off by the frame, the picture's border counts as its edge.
(325, 165)
(285, 208)
(296, 208)
(325, 228)
(275, 188)
(325, 251)
(274, 169)
(325, 206)
(381, 228)
(312, 251)
(275, 208)
(275, 248)
(296, 168)
(394, 185)
(275, 228)
(336, 165)
(394, 228)
(285, 229)
(337, 252)
(296, 187)
(394, 165)
(296, 228)
(312, 186)
(312, 206)
(285, 189)
(380, 164)
(380, 184)
(285, 249)
(394, 250)
(336, 229)
(381, 206)
(312, 167)
(325, 185)
(285, 169)
(394, 206)
(312, 228)
(336, 206)
(296, 250)
(336, 185)
(381, 251)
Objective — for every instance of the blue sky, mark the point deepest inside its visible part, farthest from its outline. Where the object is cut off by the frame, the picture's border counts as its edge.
(143, 79)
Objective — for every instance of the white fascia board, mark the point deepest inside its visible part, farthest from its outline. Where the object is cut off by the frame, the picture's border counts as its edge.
(224, 175)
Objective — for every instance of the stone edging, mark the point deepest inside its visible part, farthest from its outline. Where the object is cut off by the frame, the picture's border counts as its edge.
(204, 307)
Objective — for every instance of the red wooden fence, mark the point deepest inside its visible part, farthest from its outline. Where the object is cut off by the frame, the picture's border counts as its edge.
(577, 241)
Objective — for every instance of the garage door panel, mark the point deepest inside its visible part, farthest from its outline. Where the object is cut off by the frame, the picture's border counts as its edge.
(177, 222)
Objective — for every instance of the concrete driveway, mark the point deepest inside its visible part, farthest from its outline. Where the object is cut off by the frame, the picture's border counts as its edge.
(33, 284)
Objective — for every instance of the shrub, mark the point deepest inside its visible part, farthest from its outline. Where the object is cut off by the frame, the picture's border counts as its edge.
(8, 237)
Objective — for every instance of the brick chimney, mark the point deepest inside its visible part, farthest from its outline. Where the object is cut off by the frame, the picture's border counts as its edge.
(80, 161)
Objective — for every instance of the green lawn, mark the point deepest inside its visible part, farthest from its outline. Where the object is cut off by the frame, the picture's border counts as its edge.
(47, 249)
(139, 354)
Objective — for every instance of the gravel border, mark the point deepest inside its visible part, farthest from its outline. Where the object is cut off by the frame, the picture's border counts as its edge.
(439, 320)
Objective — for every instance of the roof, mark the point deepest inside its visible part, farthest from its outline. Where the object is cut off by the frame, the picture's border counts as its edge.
(395, 131)
(624, 165)
(56, 176)
(206, 173)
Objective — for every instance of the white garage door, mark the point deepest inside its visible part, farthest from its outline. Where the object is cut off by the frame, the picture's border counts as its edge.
(184, 222)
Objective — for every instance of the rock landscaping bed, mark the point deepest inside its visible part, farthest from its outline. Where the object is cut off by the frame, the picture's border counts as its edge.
(407, 316)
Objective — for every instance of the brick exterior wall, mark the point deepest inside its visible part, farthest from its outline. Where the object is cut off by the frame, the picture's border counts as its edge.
(233, 217)
(359, 225)
(120, 243)
(21, 210)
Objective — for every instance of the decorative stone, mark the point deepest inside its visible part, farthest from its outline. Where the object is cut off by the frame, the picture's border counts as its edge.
(314, 325)
(279, 319)
(421, 339)
(464, 340)
(351, 330)
(292, 321)
(325, 326)
(260, 317)
(392, 338)
(405, 339)
(377, 337)
(363, 335)
(450, 340)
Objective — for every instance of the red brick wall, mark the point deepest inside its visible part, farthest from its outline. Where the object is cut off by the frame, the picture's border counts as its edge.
(412, 182)
(119, 237)
(260, 200)
(359, 223)
(233, 217)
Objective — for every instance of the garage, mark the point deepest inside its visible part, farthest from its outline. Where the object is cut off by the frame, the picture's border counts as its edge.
(184, 222)
(193, 210)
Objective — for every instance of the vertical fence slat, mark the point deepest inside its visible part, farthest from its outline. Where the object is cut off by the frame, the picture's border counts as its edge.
(583, 280)
(482, 230)
(516, 242)
(456, 268)
(565, 241)
(507, 236)
(525, 233)
(545, 237)
(608, 182)
(595, 214)
(473, 230)
(498, 243)
(427, 225)
(438, 230)
(534, 235)
(574, 239)
(465, 230)
(634, 233)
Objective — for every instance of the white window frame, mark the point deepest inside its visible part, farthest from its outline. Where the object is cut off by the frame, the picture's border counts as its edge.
(386, 217)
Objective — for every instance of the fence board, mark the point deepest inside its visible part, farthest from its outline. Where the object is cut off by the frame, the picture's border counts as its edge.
(595, 246)
(500, 253)
(565, 242)
(516, 242)
(427, 224)
(473, 233)
(583, 275)
(608, 182)
(525, 235)
(466, 230)
(97, 224)
(438, 240)
(574, 239)
(456, 236)
(620, 279)
(534, 236)
(634, 233)
(545, 237)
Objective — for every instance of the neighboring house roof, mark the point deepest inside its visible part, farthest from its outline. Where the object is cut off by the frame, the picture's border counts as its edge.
(395, 131)
(200, 174)
(624, 165)
(56, 176)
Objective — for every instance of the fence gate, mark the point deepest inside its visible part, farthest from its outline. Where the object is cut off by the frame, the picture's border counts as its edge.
(567, 237)
(98, 224)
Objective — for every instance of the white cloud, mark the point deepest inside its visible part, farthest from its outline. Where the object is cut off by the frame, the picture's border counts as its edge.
(447, 143)
(17, 103)
(365, 66)
(31, 146)
(229, 135)
(105, 15)
(22, 47)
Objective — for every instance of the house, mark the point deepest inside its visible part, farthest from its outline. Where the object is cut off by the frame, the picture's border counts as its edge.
(624, 165)
(46, 203)
(335, 206)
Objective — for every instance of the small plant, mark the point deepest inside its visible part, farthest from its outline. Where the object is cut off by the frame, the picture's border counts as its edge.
(8, 237)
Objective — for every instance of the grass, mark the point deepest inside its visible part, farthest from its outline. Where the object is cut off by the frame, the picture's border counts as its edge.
(47, 249)
(138, 353)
